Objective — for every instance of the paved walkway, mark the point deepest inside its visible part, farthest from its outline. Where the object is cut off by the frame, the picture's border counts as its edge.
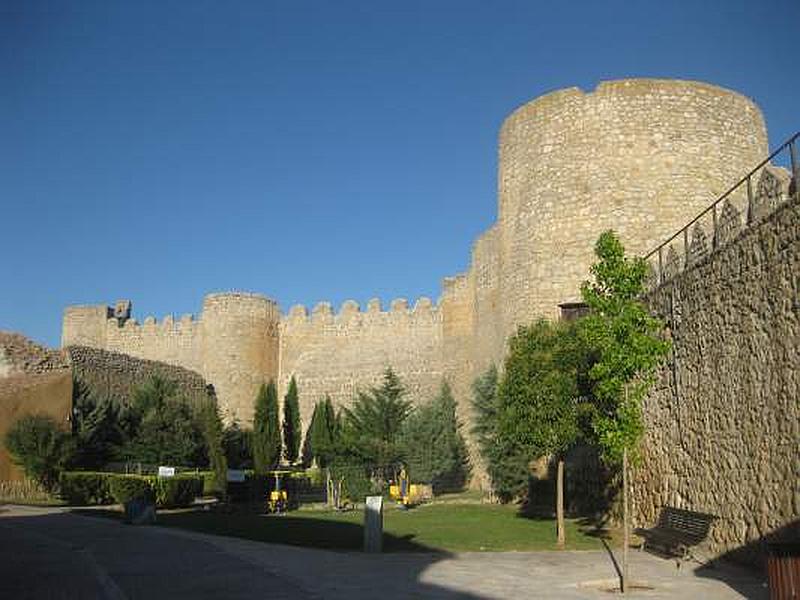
(49, 553)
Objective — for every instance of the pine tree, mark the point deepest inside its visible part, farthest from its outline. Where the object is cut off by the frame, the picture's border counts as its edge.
(373, 424)
(291, 423)
(433, 446)
(266, 430)
(322, 435)
(213, 434)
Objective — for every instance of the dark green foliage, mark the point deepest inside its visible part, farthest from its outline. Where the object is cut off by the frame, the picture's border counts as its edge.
(125, 488)
(356, 484)
(371, 427)
(85, 488)
(96, 428)
(40, 448)
(291, 423)
(266, 430)
(536, 408)
(213, 437)
(434, 448)
(627, 344)
(169, 434)
(161, 427)
(181, 490)
(322, 436)
(485, 407)
(238, 444)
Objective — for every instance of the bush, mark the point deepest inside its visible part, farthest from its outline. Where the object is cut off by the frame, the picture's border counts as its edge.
(356, 485)
(38, 445)
(85, 488)
(125, 488)
(181, 490)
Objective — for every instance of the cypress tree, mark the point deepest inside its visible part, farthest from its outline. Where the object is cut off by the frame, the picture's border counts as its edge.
(291, 423)
(266, 430)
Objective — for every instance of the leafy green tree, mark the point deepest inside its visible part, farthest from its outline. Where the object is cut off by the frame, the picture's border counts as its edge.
(169, 434)
(433, 446)
(41, 448)
(629, 346)
(373, 424)
(161, 427)
(540, 395)
(291, 423)
(266, 430)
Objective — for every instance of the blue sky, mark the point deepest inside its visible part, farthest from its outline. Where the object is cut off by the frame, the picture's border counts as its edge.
(311, 151)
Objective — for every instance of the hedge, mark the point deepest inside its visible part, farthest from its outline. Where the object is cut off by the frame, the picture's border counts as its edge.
(125, 488)
(85, 488)
(180, 490)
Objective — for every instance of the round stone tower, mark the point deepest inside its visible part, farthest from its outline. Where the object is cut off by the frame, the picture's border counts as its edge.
(639, 156)
(239, 349)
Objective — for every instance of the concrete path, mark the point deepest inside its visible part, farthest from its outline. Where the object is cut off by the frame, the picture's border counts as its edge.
(49, 553)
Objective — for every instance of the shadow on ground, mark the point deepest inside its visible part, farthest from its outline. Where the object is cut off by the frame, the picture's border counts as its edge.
(60, 554)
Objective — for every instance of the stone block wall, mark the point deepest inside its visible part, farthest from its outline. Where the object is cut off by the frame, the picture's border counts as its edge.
(723, 423)
(114, 375)
(337, 354)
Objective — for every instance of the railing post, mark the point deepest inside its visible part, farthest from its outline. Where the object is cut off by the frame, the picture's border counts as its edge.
(685, 247)
(749, 199)
(795, 166)
(714, 225)
(660, 265)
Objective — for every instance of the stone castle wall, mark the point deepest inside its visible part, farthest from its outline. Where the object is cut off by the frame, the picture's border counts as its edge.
(339, 354)
(639, 156)
(723, 423)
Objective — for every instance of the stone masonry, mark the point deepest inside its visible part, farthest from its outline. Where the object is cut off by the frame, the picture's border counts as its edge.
(641, 156)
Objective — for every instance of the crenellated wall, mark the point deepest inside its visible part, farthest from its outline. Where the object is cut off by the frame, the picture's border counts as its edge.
(640, 156)
(338, 353)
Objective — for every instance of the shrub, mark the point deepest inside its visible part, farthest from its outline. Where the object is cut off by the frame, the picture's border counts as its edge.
(125, 488)
(356, 485)
(41, 448)
(85, 488)
(181, 490)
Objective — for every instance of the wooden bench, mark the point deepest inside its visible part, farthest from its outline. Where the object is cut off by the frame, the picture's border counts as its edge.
(677, 532)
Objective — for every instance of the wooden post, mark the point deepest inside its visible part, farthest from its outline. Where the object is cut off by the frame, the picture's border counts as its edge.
(625, 518)
(560, 503)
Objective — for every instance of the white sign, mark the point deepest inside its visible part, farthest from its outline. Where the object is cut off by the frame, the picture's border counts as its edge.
(235, 475)
(373, 524)
(166, 471)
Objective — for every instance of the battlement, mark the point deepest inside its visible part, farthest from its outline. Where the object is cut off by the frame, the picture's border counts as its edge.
(350, 313)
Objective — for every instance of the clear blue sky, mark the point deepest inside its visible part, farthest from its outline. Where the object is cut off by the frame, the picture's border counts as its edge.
(310, 151)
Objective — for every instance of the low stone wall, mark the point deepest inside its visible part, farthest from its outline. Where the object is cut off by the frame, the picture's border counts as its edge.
(110, 374)
(723, 422)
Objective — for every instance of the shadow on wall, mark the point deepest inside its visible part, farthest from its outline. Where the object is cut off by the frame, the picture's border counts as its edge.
(752, 555)
(590, 490)
(81, 556)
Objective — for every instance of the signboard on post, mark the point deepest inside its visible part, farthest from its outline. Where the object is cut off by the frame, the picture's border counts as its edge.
(373, 524)
(166, 471)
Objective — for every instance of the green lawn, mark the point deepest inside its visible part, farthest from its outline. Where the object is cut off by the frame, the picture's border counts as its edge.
(466, 527)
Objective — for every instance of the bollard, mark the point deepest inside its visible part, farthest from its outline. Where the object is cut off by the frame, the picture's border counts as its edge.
(373, 524)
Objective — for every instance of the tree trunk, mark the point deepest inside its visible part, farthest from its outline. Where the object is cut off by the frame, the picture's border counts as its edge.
(625, 522)
(560, 503)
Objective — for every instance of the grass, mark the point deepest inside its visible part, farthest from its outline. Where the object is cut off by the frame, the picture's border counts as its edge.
(26, 492)
(432, 528)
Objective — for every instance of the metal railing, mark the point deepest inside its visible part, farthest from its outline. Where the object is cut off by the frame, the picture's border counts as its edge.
(756, 195)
